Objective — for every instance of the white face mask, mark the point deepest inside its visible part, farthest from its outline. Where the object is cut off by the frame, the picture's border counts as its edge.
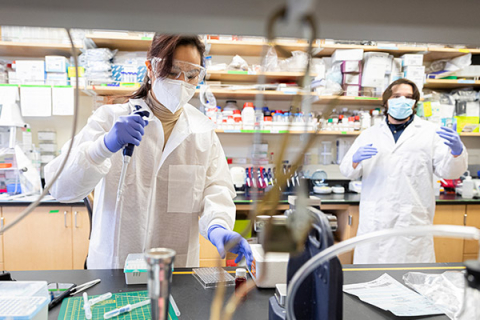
(173, 94)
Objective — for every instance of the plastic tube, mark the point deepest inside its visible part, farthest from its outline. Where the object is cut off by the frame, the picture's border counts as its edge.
(312, 264)
(86, 306)
(101, 298)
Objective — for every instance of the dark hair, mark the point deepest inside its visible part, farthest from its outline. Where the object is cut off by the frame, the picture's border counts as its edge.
(387, 94)
(163, 46)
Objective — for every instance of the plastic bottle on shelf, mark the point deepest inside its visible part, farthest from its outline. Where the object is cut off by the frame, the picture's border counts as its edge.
(351, 124)
(218, 116)
(329, 125)
(365, 121)
(238, 124)
(467, 187)
(267, 123)
(230, 123)
(258, 120)
(231, 105)
(377, 118)
(237, 115)
(356, 124)
(224, 125)
(248, 116)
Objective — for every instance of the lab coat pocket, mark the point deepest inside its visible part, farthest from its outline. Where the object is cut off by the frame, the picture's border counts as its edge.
(185, 188)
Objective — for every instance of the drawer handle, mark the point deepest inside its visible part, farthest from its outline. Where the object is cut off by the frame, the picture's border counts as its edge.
(465, 219)
(2, 222)
(65, 218)
(75, 214)
(350, 218)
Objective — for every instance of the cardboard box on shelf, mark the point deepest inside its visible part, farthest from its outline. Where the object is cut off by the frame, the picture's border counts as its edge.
(30, 71)
(351, 90)
(352, 66)
(352, 78)
(412, 60)
(57, 78)
(56, 64)
(414, 72)
(347, 55)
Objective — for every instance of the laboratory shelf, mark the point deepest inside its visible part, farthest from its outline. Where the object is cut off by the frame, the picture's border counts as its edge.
(279, 95)
(33, 49)
(328, 49)
(110, 91)
(246, 76)
(326, 133)
(250, 48)
(122, 43)
(450, 84)
(447, 53)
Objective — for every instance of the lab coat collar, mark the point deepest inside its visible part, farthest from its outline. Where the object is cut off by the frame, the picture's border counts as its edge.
(190, 121)
(409, 131)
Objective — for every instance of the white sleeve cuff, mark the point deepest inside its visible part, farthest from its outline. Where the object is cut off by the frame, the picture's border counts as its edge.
(98, 151)
(220, 222)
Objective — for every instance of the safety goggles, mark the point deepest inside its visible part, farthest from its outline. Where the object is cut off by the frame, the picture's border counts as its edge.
(181, 70)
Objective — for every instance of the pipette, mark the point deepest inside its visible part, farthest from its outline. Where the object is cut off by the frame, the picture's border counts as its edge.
(127, 308)
(101, 298)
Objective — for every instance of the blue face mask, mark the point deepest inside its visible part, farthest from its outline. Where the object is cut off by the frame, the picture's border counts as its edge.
(400, 108)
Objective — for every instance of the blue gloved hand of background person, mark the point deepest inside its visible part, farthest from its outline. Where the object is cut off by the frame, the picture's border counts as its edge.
(127, 129)
(453, 139)
(364, 153)
(219, 237)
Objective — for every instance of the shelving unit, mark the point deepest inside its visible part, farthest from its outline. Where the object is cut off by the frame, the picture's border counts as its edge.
(122, 43)
(250, 48)
(245, 76)
(450, 84)
(33, 49)
(328, 49)
(326, 133)
(447, 53)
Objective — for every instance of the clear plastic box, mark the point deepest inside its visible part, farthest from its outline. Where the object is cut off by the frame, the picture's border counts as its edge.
(24, 300)
(213, 277)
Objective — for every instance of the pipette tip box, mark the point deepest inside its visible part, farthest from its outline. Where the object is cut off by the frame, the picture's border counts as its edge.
(135, 269)
(24, 300)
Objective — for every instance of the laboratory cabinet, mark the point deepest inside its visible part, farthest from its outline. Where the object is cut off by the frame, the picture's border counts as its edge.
(50, 238)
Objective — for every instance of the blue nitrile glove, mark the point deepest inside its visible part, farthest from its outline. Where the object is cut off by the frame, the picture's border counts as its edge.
(219, 237)
(364, 153)
(453, 139)
(127, 129)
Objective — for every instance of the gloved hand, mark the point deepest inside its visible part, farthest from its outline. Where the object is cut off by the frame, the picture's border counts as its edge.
(127, 129)
(364, 153)
(453, 139)
(219, 237)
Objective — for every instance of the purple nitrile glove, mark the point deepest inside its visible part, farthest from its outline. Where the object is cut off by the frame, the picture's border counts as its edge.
(219, 237)
(453, 139)
(127, 129)
(364, 153)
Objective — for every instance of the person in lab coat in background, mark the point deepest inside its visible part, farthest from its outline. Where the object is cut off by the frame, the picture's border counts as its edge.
(178, 182)
(396, 160)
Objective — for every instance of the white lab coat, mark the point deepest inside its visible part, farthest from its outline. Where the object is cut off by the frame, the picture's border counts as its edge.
(166, 192)
(397, 188)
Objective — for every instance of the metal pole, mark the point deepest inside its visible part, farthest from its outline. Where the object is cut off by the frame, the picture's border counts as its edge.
(160, 265)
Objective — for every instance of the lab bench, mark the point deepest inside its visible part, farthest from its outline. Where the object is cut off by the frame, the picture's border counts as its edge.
(450, 209)
(194, 301)
(56, 235)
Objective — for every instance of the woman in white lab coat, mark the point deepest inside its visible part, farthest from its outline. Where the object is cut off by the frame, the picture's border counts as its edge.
(177, 184)
(396, 160)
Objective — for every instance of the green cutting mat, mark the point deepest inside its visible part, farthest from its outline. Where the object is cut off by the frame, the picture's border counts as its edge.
(72, 308)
